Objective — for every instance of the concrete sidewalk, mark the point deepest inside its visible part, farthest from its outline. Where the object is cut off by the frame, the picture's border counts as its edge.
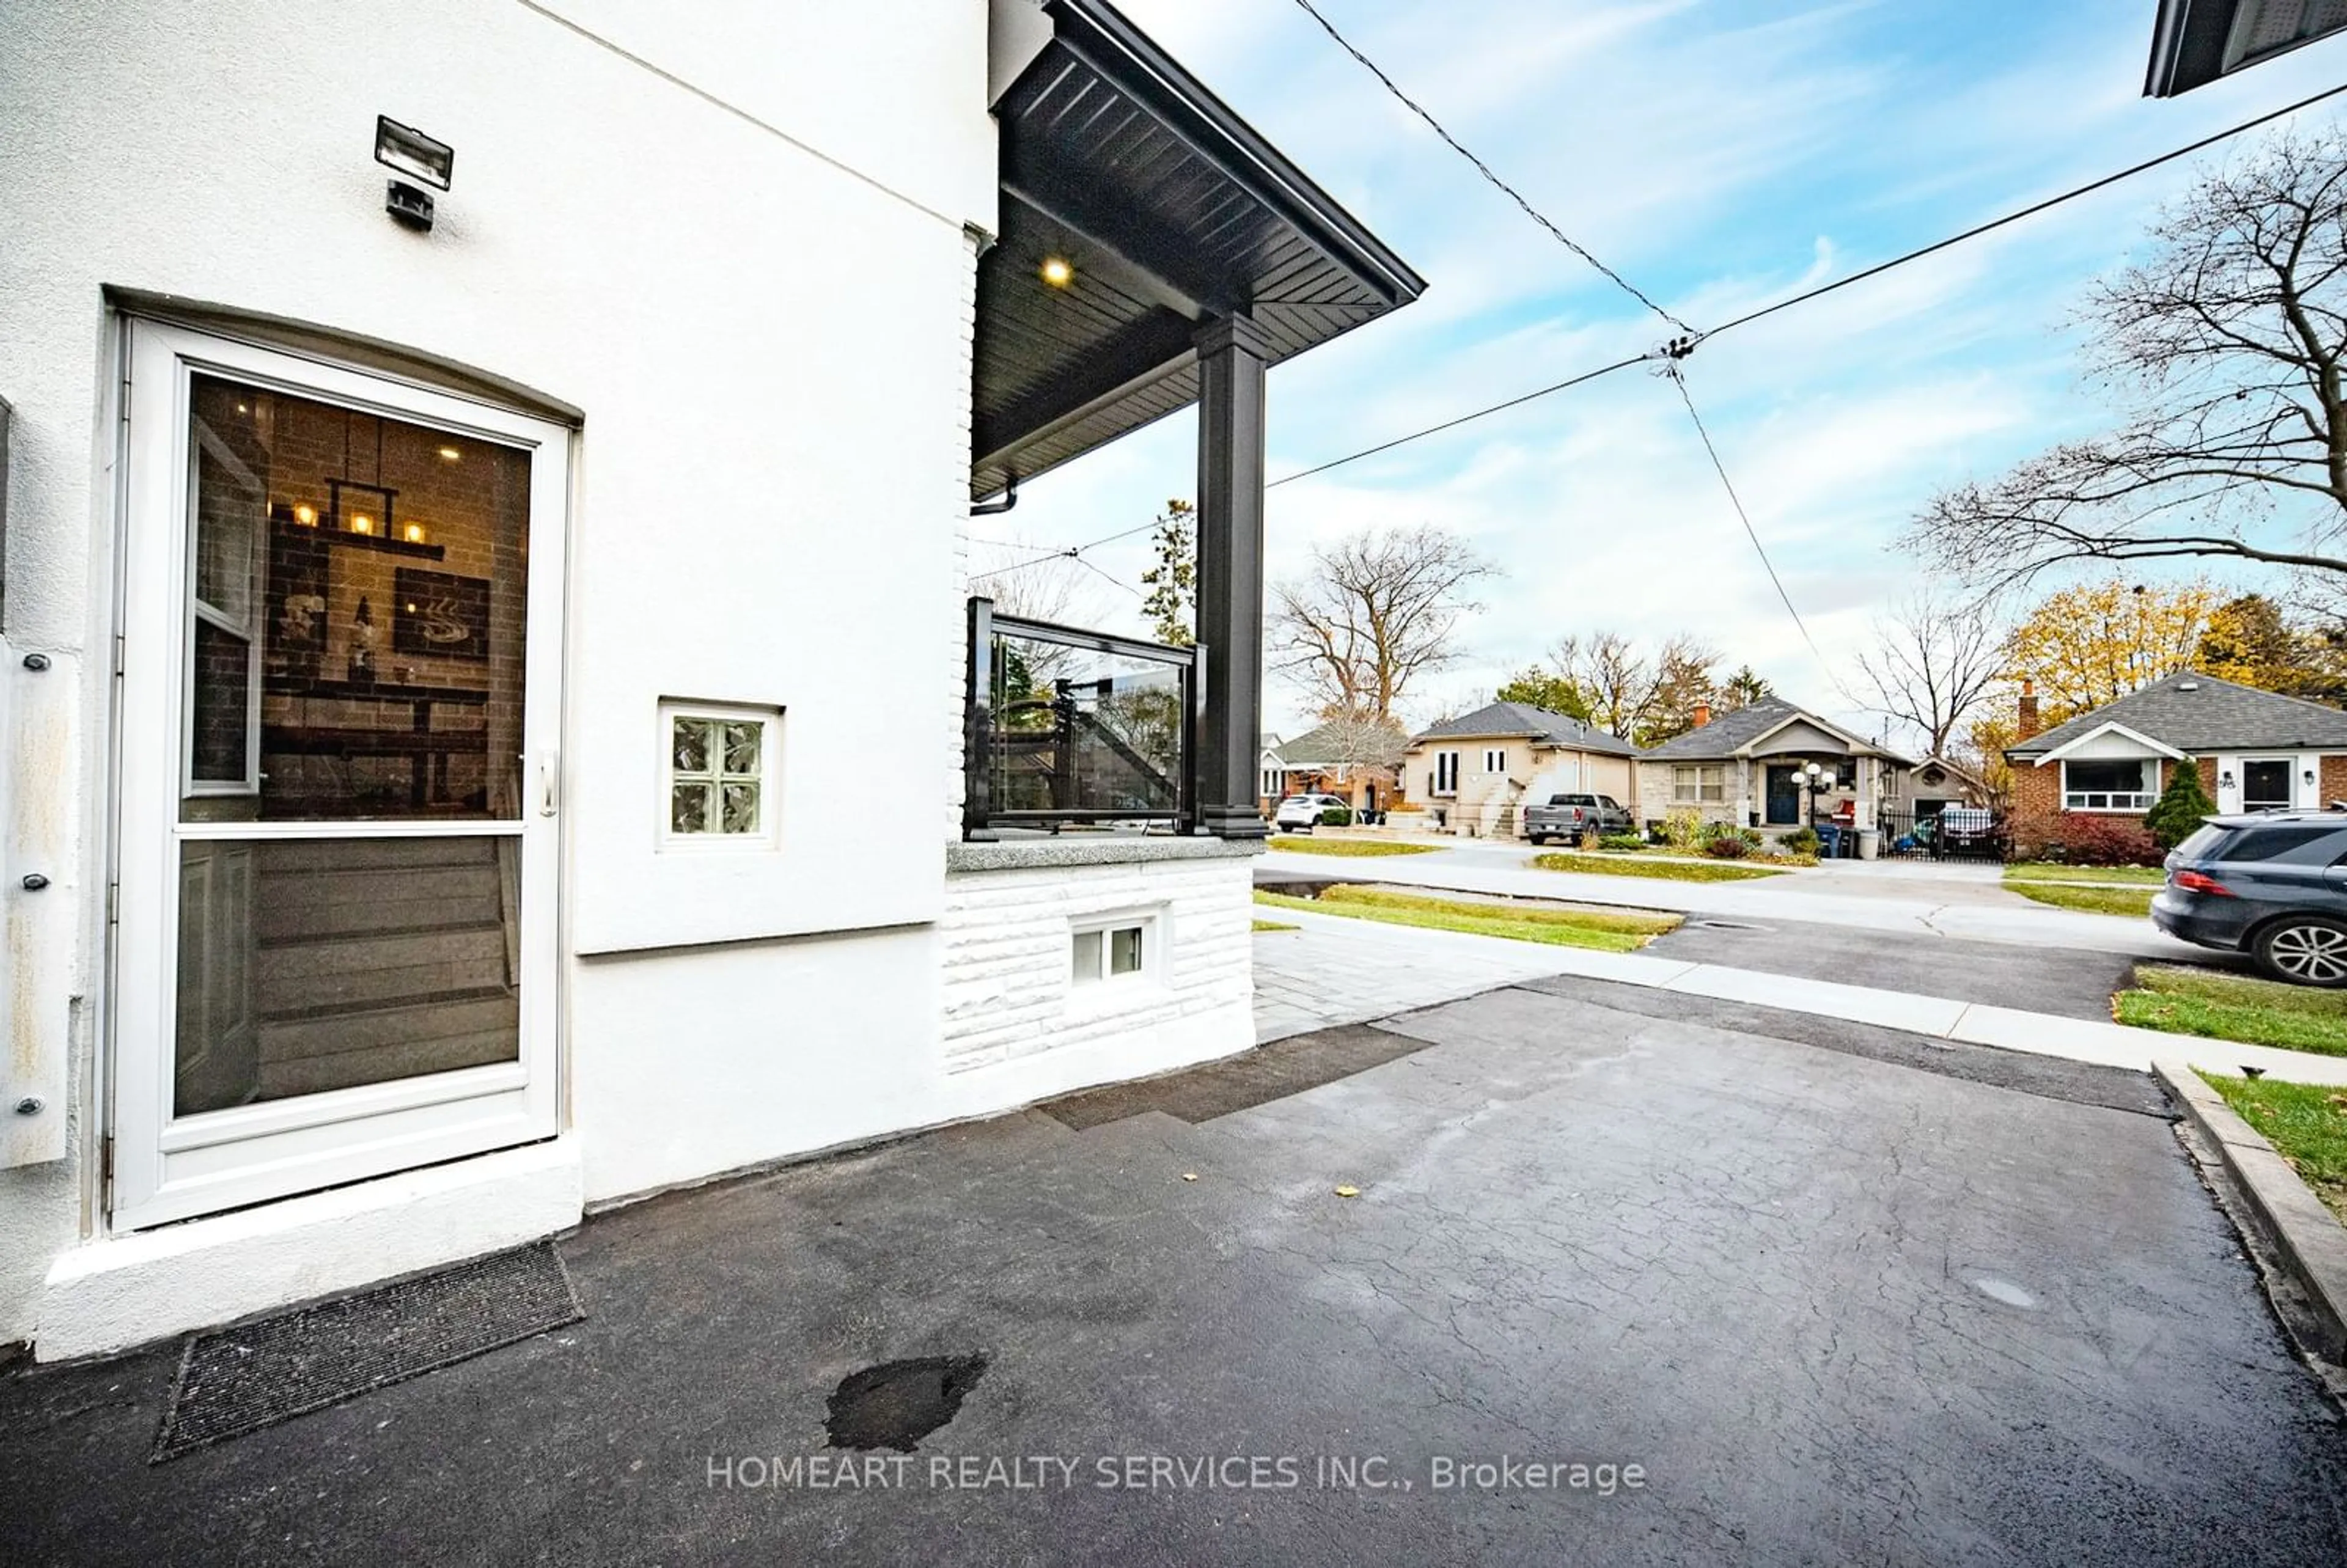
(1923, 908)
(1338, 969)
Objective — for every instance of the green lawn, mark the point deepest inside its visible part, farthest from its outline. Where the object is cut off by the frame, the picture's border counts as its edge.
(1298, 844)
(2135, 901)
(2235, 1007)
(2306, 1123)
(1606, 930)
(1274, 926)
(1671, 869)
(2048, 871)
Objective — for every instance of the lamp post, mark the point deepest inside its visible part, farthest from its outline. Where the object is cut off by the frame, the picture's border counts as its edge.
(1810, 775)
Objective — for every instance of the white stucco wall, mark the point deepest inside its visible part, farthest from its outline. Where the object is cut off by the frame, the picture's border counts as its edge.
(762, 307)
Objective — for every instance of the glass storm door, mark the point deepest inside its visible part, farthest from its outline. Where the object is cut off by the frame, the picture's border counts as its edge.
(2265, 785)
(339, 708)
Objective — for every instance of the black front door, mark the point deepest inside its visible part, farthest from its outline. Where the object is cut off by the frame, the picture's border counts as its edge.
(1784, 796)
(2265, 786)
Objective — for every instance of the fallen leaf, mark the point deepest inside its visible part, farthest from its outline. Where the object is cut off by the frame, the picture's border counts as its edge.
(1189, 1175)
(1348, 1192)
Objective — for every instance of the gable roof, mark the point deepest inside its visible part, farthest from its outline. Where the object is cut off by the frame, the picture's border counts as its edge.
(1322, 747)
(1499, 720)
(1734, 733)
(1951, 767)
(2193, 714)
(2112, 727)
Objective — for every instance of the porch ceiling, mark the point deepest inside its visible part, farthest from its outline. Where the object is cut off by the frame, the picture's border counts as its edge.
(1170, 211)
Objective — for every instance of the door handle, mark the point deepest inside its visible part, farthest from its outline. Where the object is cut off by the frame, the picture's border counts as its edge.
(549, 774)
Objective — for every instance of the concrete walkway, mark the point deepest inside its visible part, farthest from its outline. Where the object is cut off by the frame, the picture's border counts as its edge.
(1940, 905)
(1340, 970)
(1331, 969)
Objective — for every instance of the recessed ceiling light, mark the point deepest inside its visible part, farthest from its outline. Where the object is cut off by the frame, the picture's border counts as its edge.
(449, 454)
(1056, 271)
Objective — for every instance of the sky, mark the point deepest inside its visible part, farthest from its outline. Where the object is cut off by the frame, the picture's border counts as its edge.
(1720, 154)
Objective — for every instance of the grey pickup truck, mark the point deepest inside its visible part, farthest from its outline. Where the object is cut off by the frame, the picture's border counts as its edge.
(1572, 816)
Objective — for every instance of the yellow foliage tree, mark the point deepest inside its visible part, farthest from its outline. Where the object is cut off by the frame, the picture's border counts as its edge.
(2093, 644)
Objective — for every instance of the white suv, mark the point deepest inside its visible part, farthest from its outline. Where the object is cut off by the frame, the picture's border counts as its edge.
(1299, 813)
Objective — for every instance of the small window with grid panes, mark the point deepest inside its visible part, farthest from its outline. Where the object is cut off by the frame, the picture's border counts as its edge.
(719, 764)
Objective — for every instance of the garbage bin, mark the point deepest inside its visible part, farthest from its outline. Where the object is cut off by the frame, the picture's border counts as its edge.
(1869, 843)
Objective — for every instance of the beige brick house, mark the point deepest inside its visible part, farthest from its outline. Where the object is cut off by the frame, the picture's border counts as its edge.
(1474, 774)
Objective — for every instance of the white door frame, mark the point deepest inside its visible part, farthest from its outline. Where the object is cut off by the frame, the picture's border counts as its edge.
(169, 1168)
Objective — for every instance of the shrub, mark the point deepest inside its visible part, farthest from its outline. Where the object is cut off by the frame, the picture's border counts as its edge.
(1683, 828)
(1622, 841)
(1728, 846)
(1801, 841)
(2180, 807)
(1337, 816)
(2080, 838)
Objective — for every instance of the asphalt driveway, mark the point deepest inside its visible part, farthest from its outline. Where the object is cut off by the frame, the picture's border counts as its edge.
(1832, 1307)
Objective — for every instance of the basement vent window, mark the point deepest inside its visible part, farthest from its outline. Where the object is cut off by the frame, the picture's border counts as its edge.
(1116, 949)
(718, 778)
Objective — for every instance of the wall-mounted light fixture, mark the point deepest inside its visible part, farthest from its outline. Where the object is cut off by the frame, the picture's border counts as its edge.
(411, 152)
(412, 532)
(2225, 781)
(2309, 775)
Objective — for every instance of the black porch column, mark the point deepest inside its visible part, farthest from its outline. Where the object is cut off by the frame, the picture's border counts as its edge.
(1232, 352)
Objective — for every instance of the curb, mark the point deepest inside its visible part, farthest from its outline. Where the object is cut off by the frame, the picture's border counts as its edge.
(2309, 1240)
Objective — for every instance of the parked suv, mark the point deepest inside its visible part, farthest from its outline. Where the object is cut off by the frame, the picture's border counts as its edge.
(1569, 816)
(2273, 885)
(1300, 812)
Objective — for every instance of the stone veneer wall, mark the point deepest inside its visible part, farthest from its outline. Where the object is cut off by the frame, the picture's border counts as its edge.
(1008, 997)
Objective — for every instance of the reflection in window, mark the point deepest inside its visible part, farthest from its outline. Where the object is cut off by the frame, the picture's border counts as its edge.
(354, 617)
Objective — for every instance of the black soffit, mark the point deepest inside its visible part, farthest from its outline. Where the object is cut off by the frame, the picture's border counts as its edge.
(1170, 211)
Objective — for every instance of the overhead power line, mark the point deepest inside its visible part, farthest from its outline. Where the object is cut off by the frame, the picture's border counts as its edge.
(1678, 379)
(1463, 419)
(1483, 168)
(2029, 211)
(1071, 552)
(1680, 348)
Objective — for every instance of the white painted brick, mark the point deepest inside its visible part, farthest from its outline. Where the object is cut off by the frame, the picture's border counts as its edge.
(1004, 941)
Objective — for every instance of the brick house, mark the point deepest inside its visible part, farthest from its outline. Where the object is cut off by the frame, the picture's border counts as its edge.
(1356, 762)
(2256, 751)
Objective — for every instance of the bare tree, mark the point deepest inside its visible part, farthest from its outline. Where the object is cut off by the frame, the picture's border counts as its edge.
(1029, 582)
(2223, 352)
(1645, 698)
(1934, 660)
(1362, 739)
(1377, 611)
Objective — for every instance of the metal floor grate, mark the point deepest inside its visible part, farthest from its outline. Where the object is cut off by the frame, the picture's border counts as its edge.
(237, 1381)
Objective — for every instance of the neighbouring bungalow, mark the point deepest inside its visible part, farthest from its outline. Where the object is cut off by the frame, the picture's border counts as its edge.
(2256, 751)
(1940, 782)
(1750, 767)
(1355, 762)
(1473, 773)
(466, 570)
